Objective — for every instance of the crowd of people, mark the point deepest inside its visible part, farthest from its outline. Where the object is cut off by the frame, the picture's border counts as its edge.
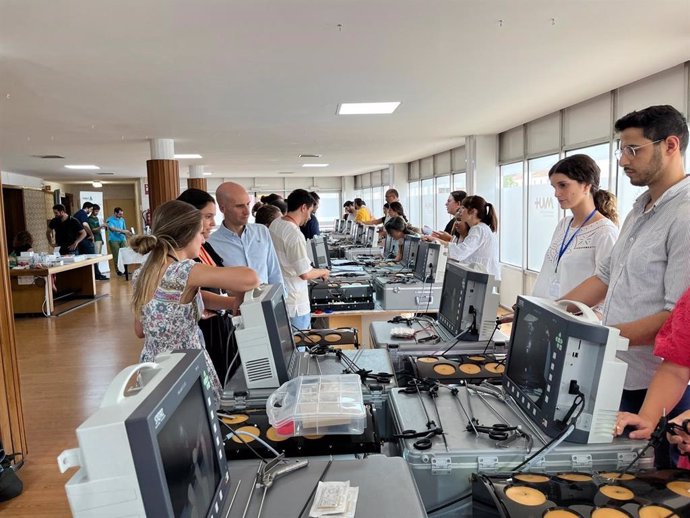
(637, 277)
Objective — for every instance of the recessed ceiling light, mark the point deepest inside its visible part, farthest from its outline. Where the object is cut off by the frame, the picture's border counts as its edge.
(187, 155)
(105, 174)
(315, 165)
(308, 155)
(367, 108)
(48, 156)
(286, 172)
(97, 184)
(84, 167)
(207, 173)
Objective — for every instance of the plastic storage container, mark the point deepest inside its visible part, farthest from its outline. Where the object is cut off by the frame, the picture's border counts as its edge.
(318, 405)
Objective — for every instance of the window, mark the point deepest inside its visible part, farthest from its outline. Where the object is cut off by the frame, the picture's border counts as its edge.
(601, 155)
(543, 211)
(460, 182)
(442, 193)
(377, 201)
(330, 209)
(428, 201)
(511, 217)
(413, 214)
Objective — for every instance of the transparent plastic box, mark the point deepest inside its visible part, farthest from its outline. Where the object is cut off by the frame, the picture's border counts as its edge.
(318, 405)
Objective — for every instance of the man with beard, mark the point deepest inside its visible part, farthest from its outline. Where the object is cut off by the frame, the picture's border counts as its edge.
(647, 270)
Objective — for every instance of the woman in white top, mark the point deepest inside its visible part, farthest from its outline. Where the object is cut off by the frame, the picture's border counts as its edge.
(582, 239)
(481, 244)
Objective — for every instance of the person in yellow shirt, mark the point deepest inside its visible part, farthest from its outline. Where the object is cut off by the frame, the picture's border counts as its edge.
(362, 214)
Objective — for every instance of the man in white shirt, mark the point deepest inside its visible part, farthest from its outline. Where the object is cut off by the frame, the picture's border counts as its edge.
(291, 248)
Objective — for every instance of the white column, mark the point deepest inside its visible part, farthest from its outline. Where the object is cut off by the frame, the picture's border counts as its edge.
(196, 171)
(162, 149)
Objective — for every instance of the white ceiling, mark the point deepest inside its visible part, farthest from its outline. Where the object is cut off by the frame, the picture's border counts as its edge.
(251, 84)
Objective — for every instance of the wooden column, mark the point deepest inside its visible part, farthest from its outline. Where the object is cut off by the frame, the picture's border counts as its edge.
(164, 181)
(197, 183)
(12, 430)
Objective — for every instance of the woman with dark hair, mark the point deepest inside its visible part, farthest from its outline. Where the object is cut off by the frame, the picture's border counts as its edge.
(481, 244)
(453, 204)
(166, 294)
(266, 214)
(583, 239)
(22, 242)
(217, 326)
(397, 228)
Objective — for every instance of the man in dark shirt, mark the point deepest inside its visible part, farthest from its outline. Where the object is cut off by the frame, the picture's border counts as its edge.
(311, 227)
(68, 231)
(86, 246)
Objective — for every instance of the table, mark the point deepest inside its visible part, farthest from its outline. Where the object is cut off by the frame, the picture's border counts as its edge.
(32, 294)
(127, 256)
(363, 318)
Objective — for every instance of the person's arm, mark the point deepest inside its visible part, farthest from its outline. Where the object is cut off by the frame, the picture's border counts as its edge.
(50, 237)
(80, 238)
(664, 392)
(87, 228)
(236, 279)
(138, 328)
(215, 302)
(644, 330)
(681, 439)
(378, 221)
(590, 292)
(461, 251)
(315, 273)
(442, 235)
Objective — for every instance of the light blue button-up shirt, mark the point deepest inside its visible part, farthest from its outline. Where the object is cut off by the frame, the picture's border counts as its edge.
(254, 248)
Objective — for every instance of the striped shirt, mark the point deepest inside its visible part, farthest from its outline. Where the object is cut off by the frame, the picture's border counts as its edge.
(648, 271)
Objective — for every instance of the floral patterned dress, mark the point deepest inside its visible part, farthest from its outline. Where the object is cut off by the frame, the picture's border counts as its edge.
(170, 325)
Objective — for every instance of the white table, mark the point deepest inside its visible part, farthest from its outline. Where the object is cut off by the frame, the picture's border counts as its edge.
(128, 256)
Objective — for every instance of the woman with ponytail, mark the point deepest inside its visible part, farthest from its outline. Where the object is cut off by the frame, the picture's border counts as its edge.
(166, 295)
(481, 244)
(582, 239)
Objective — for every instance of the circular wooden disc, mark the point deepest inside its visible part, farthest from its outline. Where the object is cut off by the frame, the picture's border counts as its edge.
(297, 338)
(234, 419)
(314, 338)
(680, 487)
(617, 492)
(496, 368)
(613, 475)
(609, 512)
(427, 359)
(470, 368)
(656, 511)
(444, 369)
(525, 495)
(575, 477)
(333, 337)
(313, 437)
(274, 436)
(477, 358)
(531, 477)
(561, 513)
(246, 438)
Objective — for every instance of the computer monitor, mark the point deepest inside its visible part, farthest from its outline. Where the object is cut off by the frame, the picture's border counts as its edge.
(319, 252)
(553, 356)
(349, 227)
(264, 337)
(410, 247)
(154, 446)
(369, 239)
(339, 226)
(427, 261)
(359, 234)
(469, 302)
(389, 247)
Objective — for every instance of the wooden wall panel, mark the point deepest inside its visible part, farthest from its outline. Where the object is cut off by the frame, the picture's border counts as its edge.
(12, 430)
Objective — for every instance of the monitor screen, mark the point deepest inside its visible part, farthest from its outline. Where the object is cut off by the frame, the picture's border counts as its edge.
(281, 329)
(349, 226)
(359, 234)
(452, 299)
(320, 253)
(370, 236)
(427, 260)
(388, 247)
(410, 247)
(187, 453)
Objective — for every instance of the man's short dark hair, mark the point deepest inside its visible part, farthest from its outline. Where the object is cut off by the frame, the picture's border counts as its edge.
(96, 206)
(394, 192)
(657, 123)
(87, 205)
(359, 202)
(266, 214)
(297, 198)
(117, 209)
(281, 204)
(196, 197)
(348, 203)
(59, 207)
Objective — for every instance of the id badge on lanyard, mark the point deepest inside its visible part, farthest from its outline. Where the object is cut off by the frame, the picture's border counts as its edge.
(555, 289)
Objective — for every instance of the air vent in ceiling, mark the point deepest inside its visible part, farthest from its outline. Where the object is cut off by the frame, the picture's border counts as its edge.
(49, 156)
(308, 155)
(286, 172)
(105, 174)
